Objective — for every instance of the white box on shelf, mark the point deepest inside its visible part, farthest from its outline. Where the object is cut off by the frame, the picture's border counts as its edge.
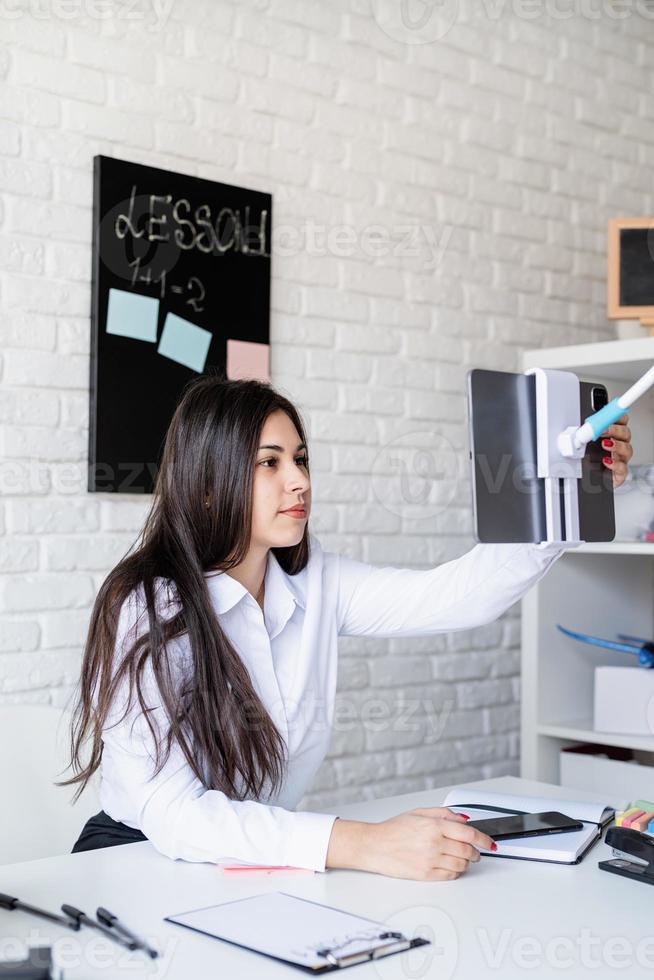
(617, 781)
(624, 700)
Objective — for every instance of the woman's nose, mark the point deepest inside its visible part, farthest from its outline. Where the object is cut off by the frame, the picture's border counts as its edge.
(298, 479)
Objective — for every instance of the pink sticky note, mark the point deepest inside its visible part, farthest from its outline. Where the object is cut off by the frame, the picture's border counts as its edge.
(248, 360)
(628, 821)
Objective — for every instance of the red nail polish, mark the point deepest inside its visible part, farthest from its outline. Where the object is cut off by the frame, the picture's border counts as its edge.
(607, 460)
(493, 846)
(607, 443)
(466, 816)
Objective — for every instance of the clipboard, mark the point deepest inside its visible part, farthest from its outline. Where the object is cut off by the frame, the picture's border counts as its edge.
(312, 937)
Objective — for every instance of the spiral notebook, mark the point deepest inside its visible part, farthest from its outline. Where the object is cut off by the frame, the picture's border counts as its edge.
(313, 937)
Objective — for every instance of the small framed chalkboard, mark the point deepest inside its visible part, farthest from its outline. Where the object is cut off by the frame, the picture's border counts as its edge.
(181, 287)
(631, 269)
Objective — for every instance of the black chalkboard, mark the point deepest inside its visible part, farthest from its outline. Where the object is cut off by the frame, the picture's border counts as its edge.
(636, 267)
(181, 287)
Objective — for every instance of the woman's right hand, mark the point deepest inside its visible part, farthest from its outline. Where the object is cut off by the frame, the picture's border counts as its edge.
(427, 844)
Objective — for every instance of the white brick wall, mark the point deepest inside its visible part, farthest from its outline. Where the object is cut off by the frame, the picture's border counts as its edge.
(439, 204)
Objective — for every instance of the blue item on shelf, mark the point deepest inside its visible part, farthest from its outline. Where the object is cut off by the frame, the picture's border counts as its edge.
(643, 649)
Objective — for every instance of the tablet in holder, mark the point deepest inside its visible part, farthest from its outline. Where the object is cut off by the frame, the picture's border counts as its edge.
(508, 495)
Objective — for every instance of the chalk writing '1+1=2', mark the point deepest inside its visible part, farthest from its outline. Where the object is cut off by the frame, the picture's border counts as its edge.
(194, 285)
(229, 232)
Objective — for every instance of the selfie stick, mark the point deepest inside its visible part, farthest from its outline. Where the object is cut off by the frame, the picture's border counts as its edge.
(573, 442)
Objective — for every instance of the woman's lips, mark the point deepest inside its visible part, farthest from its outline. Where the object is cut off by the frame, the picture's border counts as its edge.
(297, 512)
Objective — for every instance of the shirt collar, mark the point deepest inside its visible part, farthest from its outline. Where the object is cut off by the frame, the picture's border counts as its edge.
(281, 589)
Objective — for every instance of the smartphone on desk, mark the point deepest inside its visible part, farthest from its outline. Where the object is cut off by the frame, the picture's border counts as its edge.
(526, 825)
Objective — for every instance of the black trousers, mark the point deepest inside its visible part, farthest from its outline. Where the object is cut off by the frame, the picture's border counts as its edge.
(103, 831)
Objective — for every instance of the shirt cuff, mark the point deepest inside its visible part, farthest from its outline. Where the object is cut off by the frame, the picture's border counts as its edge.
(309, 842)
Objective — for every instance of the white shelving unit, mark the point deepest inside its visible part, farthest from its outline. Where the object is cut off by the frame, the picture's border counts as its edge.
(603, 589)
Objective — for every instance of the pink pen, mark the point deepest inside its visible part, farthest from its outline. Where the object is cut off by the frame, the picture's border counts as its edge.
(265, 870)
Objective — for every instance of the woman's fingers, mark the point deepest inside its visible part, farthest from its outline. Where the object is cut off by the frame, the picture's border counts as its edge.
(449, 862)
(440, 811)
(440, 874)
(617, 462)
(621, 432)
(456, 829)
(466, 834)
(619, 471)
(616, 442)
(623, 446)
(621, 451)
(460, 849)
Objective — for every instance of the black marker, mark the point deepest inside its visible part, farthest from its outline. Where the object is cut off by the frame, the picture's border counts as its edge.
(110, 920)
(82, 919)
(7, 902)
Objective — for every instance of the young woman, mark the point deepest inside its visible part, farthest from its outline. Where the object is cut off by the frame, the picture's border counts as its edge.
(209, 675)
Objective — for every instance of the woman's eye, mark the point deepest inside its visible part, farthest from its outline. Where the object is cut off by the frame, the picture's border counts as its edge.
(300, 460)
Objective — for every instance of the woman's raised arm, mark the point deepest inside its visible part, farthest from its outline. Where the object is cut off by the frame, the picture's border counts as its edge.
(460, 594)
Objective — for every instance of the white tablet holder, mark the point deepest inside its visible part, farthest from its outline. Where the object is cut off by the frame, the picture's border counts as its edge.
(561, 440)
(557, 409)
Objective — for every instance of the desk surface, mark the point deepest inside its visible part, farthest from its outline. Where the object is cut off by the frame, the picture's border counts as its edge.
(503, 918)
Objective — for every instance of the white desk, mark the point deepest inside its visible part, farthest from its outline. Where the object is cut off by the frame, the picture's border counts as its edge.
(503, 918)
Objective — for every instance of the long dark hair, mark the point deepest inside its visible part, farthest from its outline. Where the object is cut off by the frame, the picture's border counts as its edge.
(218, 720)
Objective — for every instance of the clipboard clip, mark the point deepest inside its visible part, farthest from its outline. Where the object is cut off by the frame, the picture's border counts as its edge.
(633, 854)
(400, 942)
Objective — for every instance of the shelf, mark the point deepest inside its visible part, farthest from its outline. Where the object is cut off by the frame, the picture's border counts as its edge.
(614, 548)
(618, 360)
(581, 730)
(596, 597)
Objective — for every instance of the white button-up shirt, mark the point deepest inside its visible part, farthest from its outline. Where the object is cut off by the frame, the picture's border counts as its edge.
(290, 651)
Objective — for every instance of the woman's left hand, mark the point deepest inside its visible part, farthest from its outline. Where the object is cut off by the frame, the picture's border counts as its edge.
(616, 441)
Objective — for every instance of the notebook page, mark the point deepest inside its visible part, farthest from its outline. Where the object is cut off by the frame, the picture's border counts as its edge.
(565, 848)
(594, 811)
(286, 927)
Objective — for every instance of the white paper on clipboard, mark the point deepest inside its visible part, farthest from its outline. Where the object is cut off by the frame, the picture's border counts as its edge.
(286, 927)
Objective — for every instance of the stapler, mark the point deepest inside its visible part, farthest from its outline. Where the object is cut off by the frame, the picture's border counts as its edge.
(633, 854)
(38, 966)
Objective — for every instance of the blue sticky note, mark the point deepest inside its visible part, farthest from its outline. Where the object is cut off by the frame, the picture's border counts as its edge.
(132, 315)
(184, 342)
